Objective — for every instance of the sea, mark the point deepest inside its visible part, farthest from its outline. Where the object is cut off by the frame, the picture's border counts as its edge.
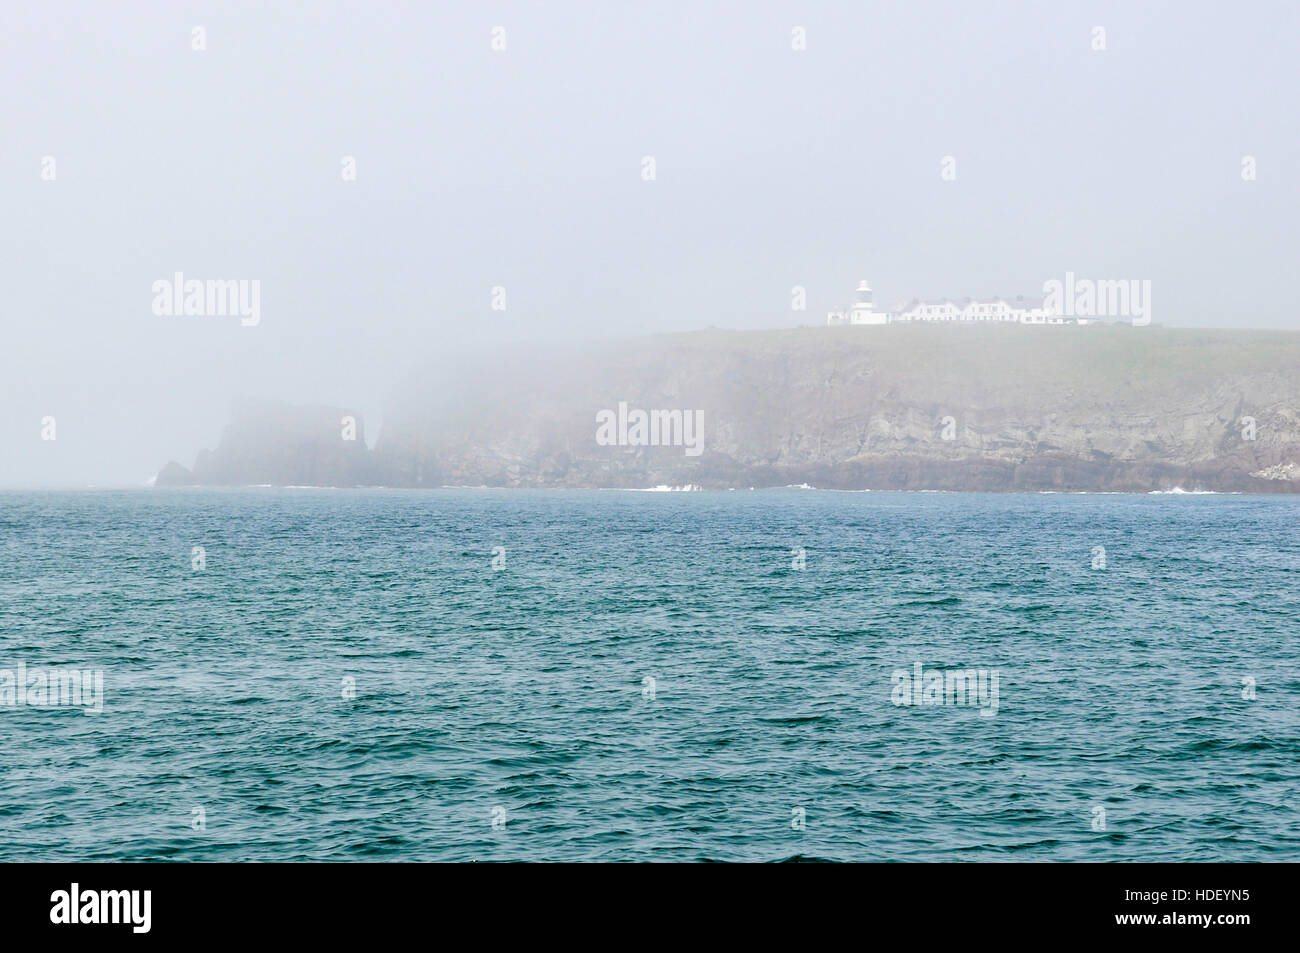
(766, 675)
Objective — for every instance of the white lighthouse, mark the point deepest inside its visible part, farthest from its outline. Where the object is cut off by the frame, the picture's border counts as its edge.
(863, 310)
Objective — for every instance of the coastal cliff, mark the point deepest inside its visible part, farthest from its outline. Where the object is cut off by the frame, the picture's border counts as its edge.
(269, 442)
(898, 407)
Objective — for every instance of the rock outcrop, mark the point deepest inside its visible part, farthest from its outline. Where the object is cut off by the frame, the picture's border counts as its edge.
(282, 445)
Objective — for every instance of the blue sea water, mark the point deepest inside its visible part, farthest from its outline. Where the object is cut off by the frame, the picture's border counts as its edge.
(507, 714)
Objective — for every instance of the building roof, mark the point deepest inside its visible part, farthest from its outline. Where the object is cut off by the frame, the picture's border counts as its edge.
(1020, 301)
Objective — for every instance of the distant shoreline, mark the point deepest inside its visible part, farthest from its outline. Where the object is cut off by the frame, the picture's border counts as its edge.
(935, 407)
(124, 488)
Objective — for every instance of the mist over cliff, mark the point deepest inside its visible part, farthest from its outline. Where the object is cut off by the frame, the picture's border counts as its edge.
(270, 442)
(1108, 407)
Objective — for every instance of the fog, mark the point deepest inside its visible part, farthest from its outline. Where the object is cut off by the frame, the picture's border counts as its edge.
(501, 195)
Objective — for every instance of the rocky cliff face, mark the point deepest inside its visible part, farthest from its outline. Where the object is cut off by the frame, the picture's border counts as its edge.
(894, 407)
(282, 445)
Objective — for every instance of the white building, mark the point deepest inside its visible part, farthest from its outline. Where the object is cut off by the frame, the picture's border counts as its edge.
(1019, 310)
(863, 310)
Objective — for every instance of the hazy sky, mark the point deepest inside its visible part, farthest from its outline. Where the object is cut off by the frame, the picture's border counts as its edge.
(522, 168)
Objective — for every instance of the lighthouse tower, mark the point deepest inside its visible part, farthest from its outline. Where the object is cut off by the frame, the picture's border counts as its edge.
(864, 307)
(863, 310)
